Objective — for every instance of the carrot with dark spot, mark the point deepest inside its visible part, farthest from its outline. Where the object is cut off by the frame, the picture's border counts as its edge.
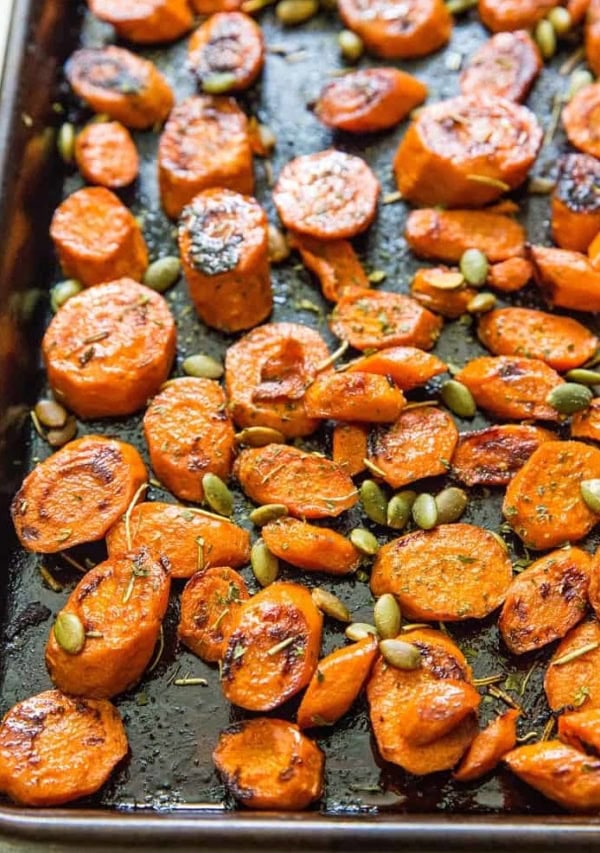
(581, 121)
(492, 456)
(511, 275)
(575, 682)
(586, 424)
(407, 367)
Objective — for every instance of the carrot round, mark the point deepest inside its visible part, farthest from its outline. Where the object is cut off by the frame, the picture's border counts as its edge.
(577, 10)
(444, 235)
(310, 485)
(349, 447)
(328, 195)
(110, 348)
(407, 367)
(121, 604)
(581, 119)
(575, 683)
(354, 397)
(449, 303)
(54, 749)
(581, 730)
(510, 275)
(489, 747)
(209, 604)
(145, 21)
(500, 15)
(576, 202)
(106, 155)
(586, 424)
(438, 708)
(592, 35)
(493, 455)
(227, 43)
(77, 494)
(273, 649)
(315, 549)
(506, 66)
(189, 434)
(452, 573)
(567, 279)
(334, 262)
(270, 764)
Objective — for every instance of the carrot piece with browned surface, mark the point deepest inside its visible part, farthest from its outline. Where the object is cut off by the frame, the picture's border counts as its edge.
(209, 604)
(407, 367)
(355, 396)
(510, 275)
(121, 84)
(452, 573)
(576, 202)
(581, 730)
(309, 547)
(145, 21)
(444, 235)
(328, 195)
(466, 151)
(191, 539)
(420, 444)
(106, 155)
(273, 649)
(581, 119)
(586, 424)
(577, 10)
(120, 604)
(575, 682)
(349, 447)
(227, 43)
(501, 15)
(310, 485)
(543, 502)
(592, 36)
(267, 373)
(189, 434)
(270, 764)
(377, 320)
(97, 238)
(437, 709)
(109, 349)
(489, 747)
(334, 262)
(209, 7)
(511, 387)
(77, 494)
(225, 255)
(54, 749)
(415, 28)
(561, 342)
(442, 290)
(370, 99)
(567, 279)
(506, 66)
(493, 455)
(205, 144)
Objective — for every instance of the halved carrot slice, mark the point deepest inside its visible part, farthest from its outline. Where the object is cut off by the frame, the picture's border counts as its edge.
(334, 262)
(506, 65)
(493, 455)
(575, 683)
(106, 154)
(407, 367)
(349, 447)
(445, 235)
(145, 21)
(426, 289)
(510, 275)
(347, 396)
(309, 547)
(576, 202)
(567, 279)
(500, 15)
(581, 119)
(228, 43)
(489, 747)
(438, 708)
(581, 730)
(586, 424)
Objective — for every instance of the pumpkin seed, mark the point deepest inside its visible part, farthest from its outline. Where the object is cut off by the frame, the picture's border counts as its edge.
(398, 511)
(162, 273)
(63, 291)
(265, 565)
(202, 367)
(360, 631)
(560, 19)
(279, 249)
(474, 267)
(583, 376)
(364, 541)
(218, 82)
(69, 632)
(293, 12)
(351, 46)
(446, 280)
(51, 414)
(540, 186)
(217, 495)
(481, 303)
(458, 398)
(259, 436)
(65, 142)
(579, 80)
(269, 512)
(388, 617)
(590, 492)
(400, 654)
(545, 38)
(451, 503)
(569, 398)
(424, 512)
(60, 437)
(330, 604)
(374, 501)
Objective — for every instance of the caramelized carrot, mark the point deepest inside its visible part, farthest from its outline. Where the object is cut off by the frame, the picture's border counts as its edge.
(270, 764)
(492, 456)
(500, 15)
(510, 275)
(189, 434)
(354, 396)
(507, 66)
(576, 202)
(581, 730)
(426, 289)
(77, 494)
(228, 43)
(106, 155)
(438, 708)
(109, 349)
(586, 424)
(581, 119)
(567, 279)
(349, 447)
(576, 683)
(145, 21)
(577, 10)
(444, 235)
(489, 747)
(54, 749)
(592, 36)
(407, 367)
(273, 649)
(594, 585)
(315, 549)
(334, 262)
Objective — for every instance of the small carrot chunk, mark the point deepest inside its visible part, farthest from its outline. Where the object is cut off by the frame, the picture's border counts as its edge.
(577, 10)
(407, 367)
(349, 447)
(493, 455)
(501, 15)
(575, 683)
(228, 43)
(507, 66)
(592, 33)
(426, 289)
(145, 21)
(489, 747)
(438, 708)
(106, 155)
(334, 262)
(581, 730)
(581, 119)
(444, 235)
(354, 396)
(315, 549)
(510, 275)
(586, 424)
(567, 279)
(576, 202)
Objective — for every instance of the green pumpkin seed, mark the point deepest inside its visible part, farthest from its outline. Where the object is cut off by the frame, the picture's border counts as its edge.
(424, 512)
(65, 142)
(583, 377)
(162, 273)
(259, 436)
(560, 19)
(330, 604)
(51, 414)
(360, 631)
(569, 398)
(451, 503)
(398, 511)
(63, 291)
(590, 492)
(374, 501)
(388, 617)
(202, 367)
(217, 495)
(69, 633)
(279, 249)
(458, 398)
(218, 82)
(474, 266)
(364, 541)
(351, 46)
(540, 186)
(400, 654)
(60, 437)
(545, 38)
(579, 80)
(481, 303)
(499, 539)
(265, 565)
(293, 12)
(269, 512)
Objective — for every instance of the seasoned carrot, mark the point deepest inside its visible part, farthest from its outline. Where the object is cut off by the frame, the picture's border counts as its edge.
(407, 367)
(328, 195)
(444, 235)
(577, 10)
(270, 764)
(273, 649)
(121, 84)
(145, 21)
(121, 604)
(355, 396)
(337, 681)
(581, 730)
(586, 424)
(310, 485)
(420, 444)
(349, 447)
(511, 387)
(576, 202)
(575, 683)
(561, 342)
(267, 373)
(334, 262)
(97, 238)
(426, 289)
(489, 747)
(189, 434)
(581, 119)
(507, 66)
(493, 455)
(500, 15)
(106, 155)
(543, 502)
(227, 43)
(109, 349)
(377, 320)
(370, 99)
(452, 573)
(592, 36)
(466, 151)
(209, 604)
(437, 709)
(77, 494)
(567, 279)
(190, 539)
(315, 549)
(223, 242)
(510, 275)
(54, 749)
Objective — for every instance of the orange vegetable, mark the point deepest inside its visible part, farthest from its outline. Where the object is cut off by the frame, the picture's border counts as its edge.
(581, 730)
(507, 65)
(106, 155)
(577, 682)
(437, 709)
(349, 447)
(592, 35)
(228, 43)
(510, 275)
(576, 202)
(315, 549)
(489, 747)
(577, 10)
(444, 235)
(586, 424)
(145, 21)
(492, 456)
(581, 119)
(209, 7)
(407, 367)
(594, 585)
(334, 262)
(567, 279)
(499, 15)
(426, 289)
(354, 396)
(594, 252)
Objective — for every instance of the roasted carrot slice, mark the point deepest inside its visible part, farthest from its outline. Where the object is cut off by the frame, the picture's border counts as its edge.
(223, 242)
(337, 681)
(581, 730)
(110, 348)
(349, 447)
(543, 502)
(205, 144)
(592, 35)
(77, 494)
(377, 320)
(415, 28)
(510, 275)
(189, 434)
(420, 444)
(189, 538)
(328, 195)
(54, 749)
(426, 289)
(121, 604)
(209, 604)
(273, 649)
(270, 764)
(546, 600)
(145, 22)
(445, 235)
(567, 279)
(581, 119)
(370, 99)
(576, 202)
(315, 549)
(489, 747)
(347, 396)
(500, 15)
(492, 456)
(506, 66)
(561, 342)
(511, 387)
(452, 573)
(334, 262)
(437, 709)
(576, 682)
(106, 155)
(267, 373)
(121, 84)
(228, 43)
(466, 151)
(310, 485)
(97, 238)
(407, 367)
(587, 424)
